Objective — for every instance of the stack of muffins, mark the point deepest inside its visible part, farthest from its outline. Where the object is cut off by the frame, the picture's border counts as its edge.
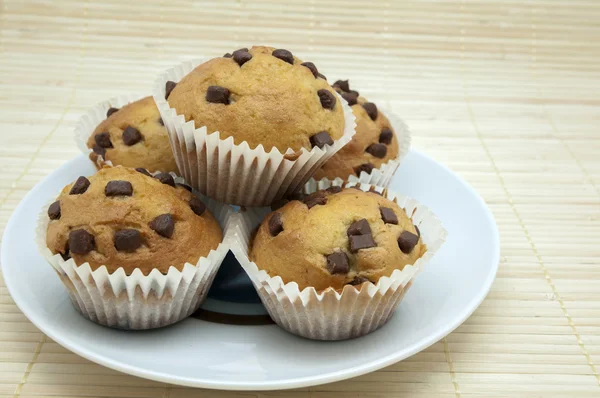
(138, 243)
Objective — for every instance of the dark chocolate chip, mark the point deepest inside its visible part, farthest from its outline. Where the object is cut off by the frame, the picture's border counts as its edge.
(407, 241)
(337, 263)
(165, 178)
(54, 210)
(296, 195)
(118, 188)
(343, 85)
(275, 224)
(81, 241)
(127, 240)
(388, 216)
(334, 189)
(227, 55)
(217, 95)
(366, 167)
(143, 171)
(377, 150)
(322, 76)
(360, 227)
(312, 68)
(418, 231)
(164, 225)
(327, 98)
(131, 136)
(245, 49)
(103, 140)
(197, 206)
(110, 111)
(184, 186)
(284, 55)
(371, 109)
(358, 242)
(99, 151)
(160, 121)
(350, 98)
(386, 136)
(314, 199)
(80, 186)
(358, 280)
(354, 93)
(321, 139)
(169, 86)
(241, 56)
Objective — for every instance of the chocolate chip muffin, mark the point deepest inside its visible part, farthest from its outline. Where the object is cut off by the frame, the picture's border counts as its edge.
(336, 237)
(133, 136)
(262, 96)
(373, 145)
(121, 217)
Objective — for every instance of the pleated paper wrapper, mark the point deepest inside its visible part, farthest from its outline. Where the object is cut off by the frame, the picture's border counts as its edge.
(92, 118)
(138, 301)
(330, 314)
(237, 174)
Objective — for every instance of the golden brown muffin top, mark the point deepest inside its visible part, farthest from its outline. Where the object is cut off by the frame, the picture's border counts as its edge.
(134, 136)
(121, 217)
(261, 96)
(373, 145)
(336, 237)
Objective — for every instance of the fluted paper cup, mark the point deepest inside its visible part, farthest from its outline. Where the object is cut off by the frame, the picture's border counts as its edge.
(235, 173)
(138, 301)
(332, 314)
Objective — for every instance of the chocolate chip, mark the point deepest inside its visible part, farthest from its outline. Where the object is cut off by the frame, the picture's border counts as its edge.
(350, 98)
(241, 56)
(217, 95)
(275, 224)
(118, 188)
(160, 121)
(80, 186)
(386, 136)
(169, 86)
(227, 55)
(358, 242)
(184, 186)
(314, 199)
(197, 206)
(164, 225)
(334, 189)
(244, 49)
(343, 85)
(131, 136)
(99, 151)
(81, 241)
(322, 76)
(54, 210)
(103, 140)
(360, 227)
(418, 231)
(165, 178)
(371, 109)
(407, 241)
(354, 93)
(358, 280)
(337, 263)
(110, 111)
(312, 68)
(284, 55)
(377, 150)
(327, 98)
(143, 171)
(296, 195)
(366, 167)
(321, 139)
(66, 255)
(388, 216)
(127, 240)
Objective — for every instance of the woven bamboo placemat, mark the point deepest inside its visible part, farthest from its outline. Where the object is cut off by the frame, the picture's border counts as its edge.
(506, 93)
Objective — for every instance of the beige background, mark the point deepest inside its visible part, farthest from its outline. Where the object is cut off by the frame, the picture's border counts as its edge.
(506, 93)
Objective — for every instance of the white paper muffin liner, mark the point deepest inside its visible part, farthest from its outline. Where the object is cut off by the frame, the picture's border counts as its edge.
(93, 117)
(330, 314)
(237, 174)
(382, 176)
(138, 301)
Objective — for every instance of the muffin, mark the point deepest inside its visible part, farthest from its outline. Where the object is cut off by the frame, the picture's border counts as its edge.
(250, 127)
(335, 263)
(374, 144)
(155, 241)
(133, 136)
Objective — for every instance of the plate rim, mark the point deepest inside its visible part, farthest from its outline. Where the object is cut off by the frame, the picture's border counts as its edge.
(305, 381)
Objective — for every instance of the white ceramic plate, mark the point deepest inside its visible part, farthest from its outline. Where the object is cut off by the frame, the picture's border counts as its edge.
(210, 354)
